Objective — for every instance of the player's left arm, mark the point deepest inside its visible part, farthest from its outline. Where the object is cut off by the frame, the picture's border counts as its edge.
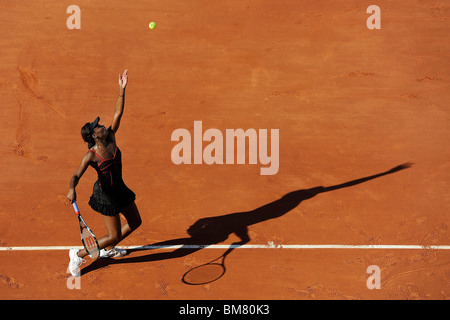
(120, 104)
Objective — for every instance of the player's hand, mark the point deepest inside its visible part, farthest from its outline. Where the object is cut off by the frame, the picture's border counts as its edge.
(123, 79)
(72, 195)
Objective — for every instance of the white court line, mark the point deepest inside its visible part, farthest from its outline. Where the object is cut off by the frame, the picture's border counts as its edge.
(270, 245)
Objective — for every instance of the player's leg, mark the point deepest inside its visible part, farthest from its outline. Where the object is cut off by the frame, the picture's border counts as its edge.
(114, 235)
(133, 218)
(131, 214)
(108, 241)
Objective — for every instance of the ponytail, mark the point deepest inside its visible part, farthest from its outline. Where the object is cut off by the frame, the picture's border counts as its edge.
(86, 135)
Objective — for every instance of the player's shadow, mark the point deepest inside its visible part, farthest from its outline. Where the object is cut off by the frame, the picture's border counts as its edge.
(213, 230)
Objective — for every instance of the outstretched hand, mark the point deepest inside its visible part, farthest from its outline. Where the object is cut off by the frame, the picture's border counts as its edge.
(123, 79)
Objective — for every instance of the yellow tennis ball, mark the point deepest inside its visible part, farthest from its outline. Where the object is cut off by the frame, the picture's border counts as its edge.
(152, 25)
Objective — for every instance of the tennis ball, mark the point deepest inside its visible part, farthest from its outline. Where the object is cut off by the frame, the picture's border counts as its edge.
(152, 25)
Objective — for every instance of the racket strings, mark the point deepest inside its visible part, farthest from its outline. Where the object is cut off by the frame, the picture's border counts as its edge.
(90, 243)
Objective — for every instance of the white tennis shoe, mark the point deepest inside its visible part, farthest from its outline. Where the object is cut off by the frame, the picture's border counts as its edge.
(113, 253)
(75, 262)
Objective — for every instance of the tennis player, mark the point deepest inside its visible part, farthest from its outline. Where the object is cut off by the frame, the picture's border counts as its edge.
(110, 194)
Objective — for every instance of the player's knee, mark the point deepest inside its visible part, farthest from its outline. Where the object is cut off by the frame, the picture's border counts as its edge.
(115, 237)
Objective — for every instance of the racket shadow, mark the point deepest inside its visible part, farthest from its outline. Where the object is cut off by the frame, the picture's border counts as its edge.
(208, 272)
(213, 230)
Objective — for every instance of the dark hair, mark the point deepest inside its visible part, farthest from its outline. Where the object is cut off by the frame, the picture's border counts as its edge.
(87, 135)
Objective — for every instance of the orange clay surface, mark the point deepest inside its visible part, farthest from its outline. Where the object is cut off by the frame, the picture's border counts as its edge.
(349, 102)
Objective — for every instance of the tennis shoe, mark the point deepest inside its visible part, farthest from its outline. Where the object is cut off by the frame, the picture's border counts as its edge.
(75, 262)
(113, 253)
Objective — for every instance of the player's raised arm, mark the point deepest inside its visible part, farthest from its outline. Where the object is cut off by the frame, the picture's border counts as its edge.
(118, 109)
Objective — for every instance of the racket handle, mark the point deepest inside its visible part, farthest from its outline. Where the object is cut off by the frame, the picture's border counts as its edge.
(75, 207)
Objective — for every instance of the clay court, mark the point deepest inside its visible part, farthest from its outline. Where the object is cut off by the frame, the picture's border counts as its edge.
(350, 103)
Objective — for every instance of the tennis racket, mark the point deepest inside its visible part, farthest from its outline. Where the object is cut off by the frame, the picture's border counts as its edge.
(88, 238)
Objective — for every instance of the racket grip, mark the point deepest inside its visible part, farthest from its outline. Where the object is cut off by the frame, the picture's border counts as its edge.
(75, 207)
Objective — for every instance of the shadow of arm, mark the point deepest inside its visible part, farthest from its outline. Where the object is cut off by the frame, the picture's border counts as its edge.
(362, 180)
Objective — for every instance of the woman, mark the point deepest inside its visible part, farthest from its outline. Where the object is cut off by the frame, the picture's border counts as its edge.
(110, 194)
